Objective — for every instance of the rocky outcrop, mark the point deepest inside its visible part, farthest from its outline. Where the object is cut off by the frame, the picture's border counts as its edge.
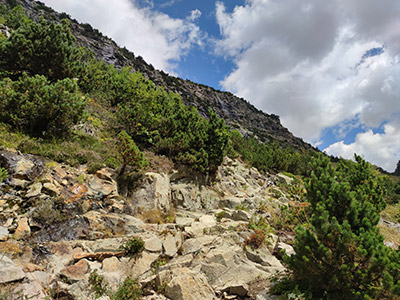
(155, 193)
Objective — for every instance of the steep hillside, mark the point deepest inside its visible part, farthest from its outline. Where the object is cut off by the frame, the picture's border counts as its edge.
(237, 112)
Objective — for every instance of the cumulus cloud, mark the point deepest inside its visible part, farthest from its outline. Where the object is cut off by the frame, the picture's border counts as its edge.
(155, 36)
(310, 62)
(381, 149)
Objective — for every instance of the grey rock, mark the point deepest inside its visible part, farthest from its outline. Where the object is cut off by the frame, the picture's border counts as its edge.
(282, 246)
(51, 189)
(241, 215)
(9, 271)
(31, 290)
(185, 284)
(153, 244)
(183, 221)
(3, 233)
(196, 244)
(263, 257)
(236, 288)
(111, 264)
(170, 245)
(265, 295)
(34, 190)
(155, 193)
(230, 203)
(144, 263)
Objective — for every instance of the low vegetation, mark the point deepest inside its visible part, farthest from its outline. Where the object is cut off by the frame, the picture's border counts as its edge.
(132, 246)
(129, 289)
(3, 174)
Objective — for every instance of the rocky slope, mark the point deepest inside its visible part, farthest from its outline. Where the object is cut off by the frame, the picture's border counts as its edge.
(237, 112)
(59, 224)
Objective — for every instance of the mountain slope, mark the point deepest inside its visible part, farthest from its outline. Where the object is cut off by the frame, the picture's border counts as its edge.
(237, 112)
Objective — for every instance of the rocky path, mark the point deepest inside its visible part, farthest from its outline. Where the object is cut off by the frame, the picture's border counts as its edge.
(60, 224)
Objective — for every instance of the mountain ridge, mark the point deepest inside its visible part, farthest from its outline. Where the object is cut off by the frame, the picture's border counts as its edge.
(237, 112)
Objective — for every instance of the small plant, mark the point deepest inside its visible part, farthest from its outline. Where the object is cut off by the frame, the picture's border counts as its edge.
(51, 165)
(132, 246)
(261, 229)
(129, 290)
(220, 215)
(256, 239)
(98, 284)
(291, 215)
(161, 288)
(241, 206)
(3, 174)
(81, 179)
(155, 265)
(93, 167)
(276, 193)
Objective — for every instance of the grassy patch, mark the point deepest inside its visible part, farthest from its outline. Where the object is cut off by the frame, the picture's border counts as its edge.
(391, 213)
(78, 149)
(156, 216)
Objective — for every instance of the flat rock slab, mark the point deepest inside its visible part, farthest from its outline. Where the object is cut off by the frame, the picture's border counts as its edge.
(185, 284)
(98, 255)
(196, 244)
(9, 271)
(153, 244)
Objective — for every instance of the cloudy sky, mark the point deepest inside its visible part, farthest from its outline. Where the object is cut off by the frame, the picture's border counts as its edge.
(329, 69)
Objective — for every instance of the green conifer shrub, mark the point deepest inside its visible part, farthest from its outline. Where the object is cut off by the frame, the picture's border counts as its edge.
(130, 153)
(218, 135)
(38, 107)
(340, 254)
(39, 48)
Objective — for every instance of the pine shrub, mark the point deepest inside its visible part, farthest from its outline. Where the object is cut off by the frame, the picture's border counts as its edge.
(340, 254)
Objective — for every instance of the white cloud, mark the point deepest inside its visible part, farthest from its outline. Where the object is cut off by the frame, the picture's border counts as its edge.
(382, 149)
(194, 15)
(158, 38)
(302, 60)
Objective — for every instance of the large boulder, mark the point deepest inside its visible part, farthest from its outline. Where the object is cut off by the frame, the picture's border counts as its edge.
(101, 185)
(228, 269)
(263, 257)
(184, 284)
(155, 193)
(24, 167)
(191, 196)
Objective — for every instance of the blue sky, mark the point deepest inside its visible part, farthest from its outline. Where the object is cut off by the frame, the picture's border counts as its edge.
(200, 65)
(329, 69)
